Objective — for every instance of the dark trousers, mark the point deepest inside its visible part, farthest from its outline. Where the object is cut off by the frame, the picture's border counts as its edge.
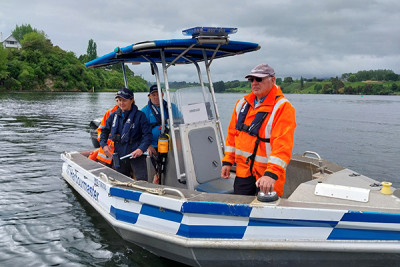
(136, 165)
(245, 186)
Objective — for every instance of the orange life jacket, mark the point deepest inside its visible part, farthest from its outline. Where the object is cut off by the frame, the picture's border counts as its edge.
(269, 158)
(101, 156)
(93, 154)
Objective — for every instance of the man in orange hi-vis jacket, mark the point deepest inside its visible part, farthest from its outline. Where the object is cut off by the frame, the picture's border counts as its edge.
(260, 136)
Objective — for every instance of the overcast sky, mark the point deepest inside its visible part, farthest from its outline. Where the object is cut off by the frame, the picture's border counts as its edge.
(297, 38)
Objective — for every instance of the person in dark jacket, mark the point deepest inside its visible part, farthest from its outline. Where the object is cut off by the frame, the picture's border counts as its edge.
(131, 133)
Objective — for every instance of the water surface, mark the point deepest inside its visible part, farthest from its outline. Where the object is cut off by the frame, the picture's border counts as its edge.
(43, 222)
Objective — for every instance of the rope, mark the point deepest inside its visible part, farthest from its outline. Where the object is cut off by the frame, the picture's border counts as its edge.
(157, 191)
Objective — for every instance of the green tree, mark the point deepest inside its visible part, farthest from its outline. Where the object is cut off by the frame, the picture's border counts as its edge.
(278, 81)
(36, 41)
(12, 84)
(367, 89)
(349, 90)
(26, 77)
(219, 87)
(232, 84)
(20, 31)
(288, 80)
(3, 63)
(91, 50)
(391, 76)
(14, 68)
(301, 83)
(336, 85)
(327, 89)
(317, 88)
(352, 78)
(374, 75)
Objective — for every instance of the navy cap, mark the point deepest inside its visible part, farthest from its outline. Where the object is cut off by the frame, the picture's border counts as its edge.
(125, 93)
(153, 88)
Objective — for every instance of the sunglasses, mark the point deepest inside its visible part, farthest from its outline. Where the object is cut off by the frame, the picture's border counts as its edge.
(257, 79)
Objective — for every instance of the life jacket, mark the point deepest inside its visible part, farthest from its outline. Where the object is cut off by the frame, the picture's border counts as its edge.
(255, 125)
(252, 129)
(101, 156)
(123, 137)
(93, 154)
(157, 113)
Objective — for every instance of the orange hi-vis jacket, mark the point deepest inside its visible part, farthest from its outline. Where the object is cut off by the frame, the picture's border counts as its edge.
(101, 156)
(271, 158)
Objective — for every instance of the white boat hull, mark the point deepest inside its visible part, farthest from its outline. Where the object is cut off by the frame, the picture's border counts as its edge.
(203, 228)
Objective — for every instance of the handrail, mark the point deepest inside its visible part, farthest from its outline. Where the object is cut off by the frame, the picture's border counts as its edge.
(320, 162)
(124, 72)
(171, 119)
(214, 100)
(173, 190)
(160, 97)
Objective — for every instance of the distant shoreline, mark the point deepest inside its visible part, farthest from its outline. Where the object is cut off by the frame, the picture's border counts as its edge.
(230, 92)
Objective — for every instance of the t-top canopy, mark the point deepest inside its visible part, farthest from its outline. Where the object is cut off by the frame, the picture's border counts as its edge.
(178, 51)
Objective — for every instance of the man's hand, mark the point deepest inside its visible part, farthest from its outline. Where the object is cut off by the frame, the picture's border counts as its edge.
(226, 171)
(266, 184)
(107, 151)
(137, 153)
(151, 151)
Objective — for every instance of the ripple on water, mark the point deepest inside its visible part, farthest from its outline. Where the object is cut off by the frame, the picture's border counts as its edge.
(43, 222)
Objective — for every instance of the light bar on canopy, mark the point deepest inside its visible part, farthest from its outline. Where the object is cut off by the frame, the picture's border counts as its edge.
(209, 31)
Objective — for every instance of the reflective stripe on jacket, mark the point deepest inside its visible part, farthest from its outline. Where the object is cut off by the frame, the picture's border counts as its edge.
(271, 158)
(101, 156)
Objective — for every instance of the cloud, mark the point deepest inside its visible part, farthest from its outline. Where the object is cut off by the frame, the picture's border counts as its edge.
(298, 38)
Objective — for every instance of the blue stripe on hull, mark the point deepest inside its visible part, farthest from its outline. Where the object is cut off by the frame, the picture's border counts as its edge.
(161, 213)
(206, 231)
(217, 208)
(123, 193)
(362, 216)
(356, 234)
(291, 223)
(123, 215)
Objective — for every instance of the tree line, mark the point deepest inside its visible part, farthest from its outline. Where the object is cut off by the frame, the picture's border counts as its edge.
(41, 66)
(371, 82)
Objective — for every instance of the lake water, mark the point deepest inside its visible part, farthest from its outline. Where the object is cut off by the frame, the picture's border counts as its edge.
(43, 222)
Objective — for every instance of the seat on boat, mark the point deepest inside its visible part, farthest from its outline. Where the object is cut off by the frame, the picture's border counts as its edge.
(219, 185)
(205, 174)
(208, 164)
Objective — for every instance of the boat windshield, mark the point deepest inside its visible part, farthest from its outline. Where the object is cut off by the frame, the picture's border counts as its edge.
(192, 104)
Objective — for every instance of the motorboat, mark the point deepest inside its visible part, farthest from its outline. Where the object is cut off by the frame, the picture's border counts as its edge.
(327, 215)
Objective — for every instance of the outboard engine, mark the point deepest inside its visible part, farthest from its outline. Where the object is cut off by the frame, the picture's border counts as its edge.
(94, 124)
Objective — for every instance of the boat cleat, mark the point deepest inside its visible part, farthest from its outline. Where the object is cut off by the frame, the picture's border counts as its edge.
(269, 197)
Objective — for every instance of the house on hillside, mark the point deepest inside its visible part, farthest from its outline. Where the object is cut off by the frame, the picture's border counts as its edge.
(11, 42)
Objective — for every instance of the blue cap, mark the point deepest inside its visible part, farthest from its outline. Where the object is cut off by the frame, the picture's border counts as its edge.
(125, 93)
